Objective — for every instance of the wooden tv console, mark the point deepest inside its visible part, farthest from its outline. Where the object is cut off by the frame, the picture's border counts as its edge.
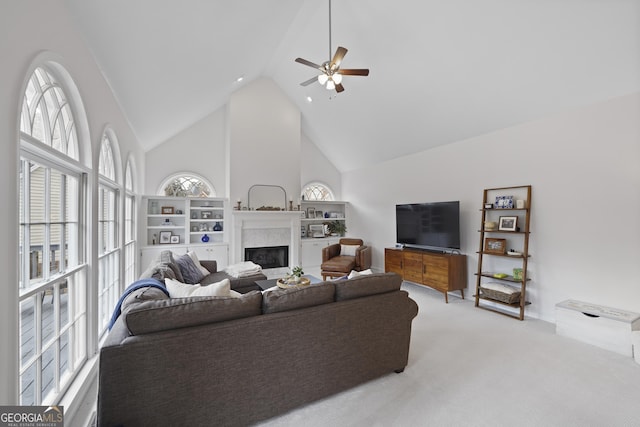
(441, 271)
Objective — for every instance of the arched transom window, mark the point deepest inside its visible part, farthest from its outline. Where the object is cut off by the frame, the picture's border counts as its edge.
(47, 116)
(187, 185)
(317, 191)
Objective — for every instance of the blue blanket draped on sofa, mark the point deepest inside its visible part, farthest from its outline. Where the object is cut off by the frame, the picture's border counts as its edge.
(142, 283)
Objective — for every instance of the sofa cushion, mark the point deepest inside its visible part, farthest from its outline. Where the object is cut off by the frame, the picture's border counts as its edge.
(163, 266)
(369, 284)
(140, 295)
(155, 316)
(183, 290)
(278, 299)
(190, 271)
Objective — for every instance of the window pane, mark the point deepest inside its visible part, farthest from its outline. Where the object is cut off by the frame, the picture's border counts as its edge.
(28, 386)
(55, 249)
(36, 254)
(48, 371)
(37, 193)
(64, 304)
(65, 355)
(27, 330)
(47, 319)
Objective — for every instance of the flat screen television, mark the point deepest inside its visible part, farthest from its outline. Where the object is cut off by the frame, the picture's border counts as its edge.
(430, 225)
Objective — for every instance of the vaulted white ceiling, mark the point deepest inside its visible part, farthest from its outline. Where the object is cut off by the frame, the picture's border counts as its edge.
(441, 71)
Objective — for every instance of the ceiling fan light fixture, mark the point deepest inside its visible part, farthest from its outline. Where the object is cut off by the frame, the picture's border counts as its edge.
(322, 79)
(330, 85)
(337, 78)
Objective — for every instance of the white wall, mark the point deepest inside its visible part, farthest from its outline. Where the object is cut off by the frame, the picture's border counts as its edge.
(202, 149)
(317, 168)
(199, 149)
(584, 167)
(29, 27)
(264, 140)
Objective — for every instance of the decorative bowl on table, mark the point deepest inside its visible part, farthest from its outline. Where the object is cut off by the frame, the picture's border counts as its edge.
(292, 282)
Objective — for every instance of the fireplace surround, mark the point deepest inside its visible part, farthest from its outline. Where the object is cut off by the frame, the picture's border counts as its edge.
(255, 229)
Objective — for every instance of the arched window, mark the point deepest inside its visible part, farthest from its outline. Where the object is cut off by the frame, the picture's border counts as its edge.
(317, 191)
(109, 287)
(46, 114)
(129, 226)
(53, 271)
(186, 185)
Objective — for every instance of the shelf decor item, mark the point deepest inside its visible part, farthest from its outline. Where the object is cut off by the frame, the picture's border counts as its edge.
(204, 238)
(495, 246)
(499, 292)
(165, 237)
(338, 228)
(217, 227)
(167, 210)
(517, 274)
(504, 202)
(508, 223)
(490, 226)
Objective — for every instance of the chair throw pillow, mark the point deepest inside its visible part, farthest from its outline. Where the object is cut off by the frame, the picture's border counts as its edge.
(348, 250)
(190, 271)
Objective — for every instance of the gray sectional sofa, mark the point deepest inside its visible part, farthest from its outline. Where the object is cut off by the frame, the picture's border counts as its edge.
(228, 361)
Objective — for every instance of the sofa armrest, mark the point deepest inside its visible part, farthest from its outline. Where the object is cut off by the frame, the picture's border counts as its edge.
(210, 265)
(330, 251)
(363, 258)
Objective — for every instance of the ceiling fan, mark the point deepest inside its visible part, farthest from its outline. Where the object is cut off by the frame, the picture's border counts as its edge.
(331, 76)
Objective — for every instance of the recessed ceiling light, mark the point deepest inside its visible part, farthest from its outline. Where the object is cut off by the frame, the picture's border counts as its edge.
(239, 79)
(309, 99)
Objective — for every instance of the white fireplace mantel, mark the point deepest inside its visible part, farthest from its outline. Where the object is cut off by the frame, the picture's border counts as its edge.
(270, 228)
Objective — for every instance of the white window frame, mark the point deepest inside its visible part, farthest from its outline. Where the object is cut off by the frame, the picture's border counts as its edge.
(109, 249)
(46, 103)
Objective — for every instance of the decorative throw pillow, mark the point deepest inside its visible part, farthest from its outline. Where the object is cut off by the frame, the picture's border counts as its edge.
(359, 273)
(166, 258)
(348, 250)
(190, 271)
(182, 290)
(196, 261)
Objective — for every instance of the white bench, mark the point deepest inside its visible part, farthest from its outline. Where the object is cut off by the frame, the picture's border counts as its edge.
(605, 327)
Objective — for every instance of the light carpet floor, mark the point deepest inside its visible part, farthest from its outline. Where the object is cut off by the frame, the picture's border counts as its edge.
(472, 367)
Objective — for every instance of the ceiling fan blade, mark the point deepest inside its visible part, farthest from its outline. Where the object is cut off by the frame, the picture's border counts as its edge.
(309, 63)
(337, 58)
(308, 82)
(339, 88)
(354, 72)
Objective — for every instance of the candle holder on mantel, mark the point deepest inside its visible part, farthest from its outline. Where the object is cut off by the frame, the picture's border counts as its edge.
(239, 203)
(290, 205)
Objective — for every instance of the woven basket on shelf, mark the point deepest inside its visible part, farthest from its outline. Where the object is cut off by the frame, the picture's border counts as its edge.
(500, 296)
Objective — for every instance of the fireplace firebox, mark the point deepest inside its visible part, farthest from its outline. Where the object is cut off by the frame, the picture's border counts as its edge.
(268, 256)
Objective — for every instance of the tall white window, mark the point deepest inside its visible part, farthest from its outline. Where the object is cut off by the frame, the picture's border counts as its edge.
(53, 272)
(317, 191)
(129, 227)
(109, 283)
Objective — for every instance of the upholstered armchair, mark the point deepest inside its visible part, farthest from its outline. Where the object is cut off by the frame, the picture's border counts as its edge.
(340, 258)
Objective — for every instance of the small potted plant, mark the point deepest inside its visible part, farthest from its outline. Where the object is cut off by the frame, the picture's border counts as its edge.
(295, 274)
(336, 228)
